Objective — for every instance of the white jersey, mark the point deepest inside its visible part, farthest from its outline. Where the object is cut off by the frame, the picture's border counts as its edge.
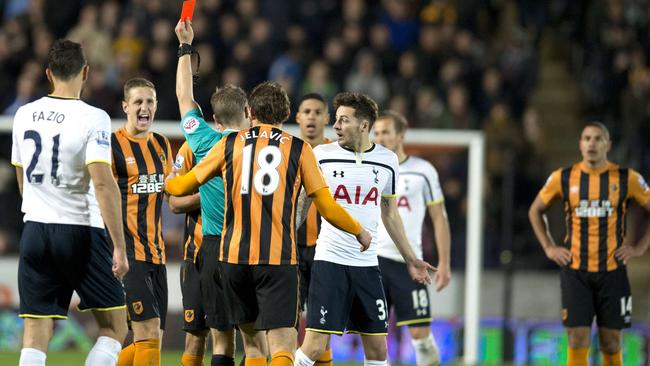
(54, 139)
(357, 182)
(417, 188)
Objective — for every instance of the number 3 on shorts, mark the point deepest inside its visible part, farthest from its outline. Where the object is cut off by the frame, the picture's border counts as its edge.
(381, 306)
(626, 305)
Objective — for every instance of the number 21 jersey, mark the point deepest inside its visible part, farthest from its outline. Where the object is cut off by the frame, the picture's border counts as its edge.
(54, 139)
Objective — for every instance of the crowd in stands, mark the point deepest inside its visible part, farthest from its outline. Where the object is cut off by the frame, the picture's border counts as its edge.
(461, 64)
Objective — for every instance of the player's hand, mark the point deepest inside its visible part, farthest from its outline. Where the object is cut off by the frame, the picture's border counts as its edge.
(184, 31)
(559, 255)
(419, 271)
(442, 277)
(120, 264)
(364, 239)
(626, 251)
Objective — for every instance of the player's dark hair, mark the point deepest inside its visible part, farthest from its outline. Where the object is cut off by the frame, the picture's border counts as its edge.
(228, 104)
(65, 59)
(599, 125)
(136, 83)
(269, 103)
(399, 121)
(314, 96)
(364, 107)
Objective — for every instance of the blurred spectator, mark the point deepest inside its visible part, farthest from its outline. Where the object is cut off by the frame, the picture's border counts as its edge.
(25, 93)
(366, 78)
(401, 23)
(318, 81)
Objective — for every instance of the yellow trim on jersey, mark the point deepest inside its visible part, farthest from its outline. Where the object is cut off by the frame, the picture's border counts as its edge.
(101, 309)
(366, 334)
(42, 316)
(414, 321)
(99, 161)
(325, 331)
(389, 195)
(16, 164)
(435, 202)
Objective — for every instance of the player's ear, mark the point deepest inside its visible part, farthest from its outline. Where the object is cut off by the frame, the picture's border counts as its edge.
(125, 106)
(48, 74)
(85, 71)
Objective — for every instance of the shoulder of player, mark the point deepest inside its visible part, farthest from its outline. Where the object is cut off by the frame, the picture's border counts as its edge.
(331, 146)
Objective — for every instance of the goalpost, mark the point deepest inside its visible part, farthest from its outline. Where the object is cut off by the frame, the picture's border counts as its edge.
(474, 141)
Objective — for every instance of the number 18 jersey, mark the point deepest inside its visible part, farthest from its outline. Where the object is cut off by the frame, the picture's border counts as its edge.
(262, 169)
(54, 139)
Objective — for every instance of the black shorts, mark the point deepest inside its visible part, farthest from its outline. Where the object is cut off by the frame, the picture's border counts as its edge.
(605, 295)
(264, 294)
(57, 259)
(346, 298)
(409, 299)
(145, 285)
(305, 262)
(214, 303)
(193, 314)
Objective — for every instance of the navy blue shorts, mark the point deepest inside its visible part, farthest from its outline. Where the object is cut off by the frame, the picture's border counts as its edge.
(57, 259)
(346, 298)
(212, 292)
(409, 299)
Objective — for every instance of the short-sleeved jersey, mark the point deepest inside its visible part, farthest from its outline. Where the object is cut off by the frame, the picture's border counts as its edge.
(193, 236)
(308, 231)
(417, 188)
(262, 168)
(357, 182)
(595, 205)
(201, 138)
(140, 165)
(54, 139)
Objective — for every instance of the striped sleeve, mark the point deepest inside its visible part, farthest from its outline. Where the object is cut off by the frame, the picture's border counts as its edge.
(552, 189)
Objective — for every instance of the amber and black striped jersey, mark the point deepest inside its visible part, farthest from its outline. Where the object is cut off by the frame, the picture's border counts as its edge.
(595, 205)
(262, 168)
(140, 166)
(308, 231)
(193, 236)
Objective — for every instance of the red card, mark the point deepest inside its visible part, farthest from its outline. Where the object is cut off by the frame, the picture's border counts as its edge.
(188, 9)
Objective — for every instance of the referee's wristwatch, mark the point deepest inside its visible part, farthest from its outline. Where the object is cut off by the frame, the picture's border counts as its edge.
(185, 49)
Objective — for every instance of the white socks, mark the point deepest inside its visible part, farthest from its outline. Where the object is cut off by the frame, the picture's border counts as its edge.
(301, 359)
(426, 351)
(375, 363)
(103, 353)
(31, 357)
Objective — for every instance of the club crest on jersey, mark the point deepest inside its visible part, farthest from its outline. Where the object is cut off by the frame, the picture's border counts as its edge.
(178, 164)
(189, 315)
(337, 173)
(137, 307)
(163, 158)
(323, 312)
(375, 172)
(190, 125)
(341, 193)
(103, 139)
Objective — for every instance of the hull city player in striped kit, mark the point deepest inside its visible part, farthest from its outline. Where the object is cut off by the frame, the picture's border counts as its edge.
(596, 194)
(141, 161)
(263, 169)
(62, 150)
(418, 191)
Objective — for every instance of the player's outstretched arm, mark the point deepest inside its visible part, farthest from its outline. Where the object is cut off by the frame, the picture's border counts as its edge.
(302, 208)
(418, 269)
(108, 198)
(440, 221)
(184, 204)
(339, 217)
(539, 222)
(627, 251)
(184, 91)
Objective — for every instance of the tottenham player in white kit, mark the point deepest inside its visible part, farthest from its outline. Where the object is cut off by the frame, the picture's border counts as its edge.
(418, 191)
(346, 289)
(61, 151)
